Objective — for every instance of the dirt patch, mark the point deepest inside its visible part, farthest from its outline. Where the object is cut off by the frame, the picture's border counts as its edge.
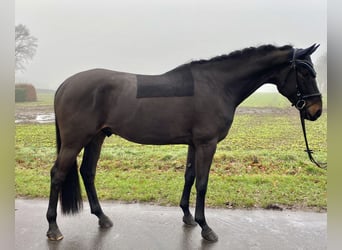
(266, 110)
(34, 114)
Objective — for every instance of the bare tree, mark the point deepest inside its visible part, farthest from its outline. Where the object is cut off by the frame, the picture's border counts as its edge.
(25, 46)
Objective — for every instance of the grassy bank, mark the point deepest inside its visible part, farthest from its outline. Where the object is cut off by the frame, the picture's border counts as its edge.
(259, 164)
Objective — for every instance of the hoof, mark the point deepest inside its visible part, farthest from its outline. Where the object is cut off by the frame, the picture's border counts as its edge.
(209, 235)
(105, 222)
(189, 220)
(54, 235)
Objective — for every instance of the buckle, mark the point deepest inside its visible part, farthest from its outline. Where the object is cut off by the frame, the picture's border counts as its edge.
(300, 104)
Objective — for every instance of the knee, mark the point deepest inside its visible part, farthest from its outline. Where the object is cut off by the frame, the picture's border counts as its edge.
(54, 169)
(201, 187)
(189, 178)
(189, 174)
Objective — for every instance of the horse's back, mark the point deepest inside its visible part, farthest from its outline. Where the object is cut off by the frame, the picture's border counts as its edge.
(82, 84)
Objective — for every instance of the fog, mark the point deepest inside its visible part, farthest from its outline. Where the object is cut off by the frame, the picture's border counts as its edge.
(151, 37)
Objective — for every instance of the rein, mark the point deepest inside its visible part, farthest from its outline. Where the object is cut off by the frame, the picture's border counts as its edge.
(308, 150)
(301, 103)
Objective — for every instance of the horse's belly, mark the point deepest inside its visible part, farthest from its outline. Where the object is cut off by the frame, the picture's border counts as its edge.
(153, 120)
(154, 129)
(154, 135)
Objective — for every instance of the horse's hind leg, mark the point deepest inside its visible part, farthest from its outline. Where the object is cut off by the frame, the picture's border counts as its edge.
(66, 160)
(53, 232)
(88, 170)
(189, 179)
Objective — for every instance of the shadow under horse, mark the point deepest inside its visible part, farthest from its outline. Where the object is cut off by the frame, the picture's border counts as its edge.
(193, 104)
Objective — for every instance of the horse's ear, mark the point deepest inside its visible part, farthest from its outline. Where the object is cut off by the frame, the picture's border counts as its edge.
(313, 48)
(307, 51)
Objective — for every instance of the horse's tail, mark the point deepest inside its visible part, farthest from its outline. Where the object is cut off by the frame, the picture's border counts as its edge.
(70, 195)
(58, 136)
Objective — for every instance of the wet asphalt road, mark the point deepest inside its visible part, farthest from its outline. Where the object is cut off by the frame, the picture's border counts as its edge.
(138, 226)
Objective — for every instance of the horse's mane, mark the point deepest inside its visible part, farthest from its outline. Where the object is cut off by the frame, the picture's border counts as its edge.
(244, 53)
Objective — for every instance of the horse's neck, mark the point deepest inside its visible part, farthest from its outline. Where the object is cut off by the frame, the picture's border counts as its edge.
(244, 77)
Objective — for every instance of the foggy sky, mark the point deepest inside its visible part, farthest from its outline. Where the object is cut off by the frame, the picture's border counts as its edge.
(151, 36)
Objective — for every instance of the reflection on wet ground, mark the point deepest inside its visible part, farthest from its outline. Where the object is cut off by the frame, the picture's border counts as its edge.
(138, 226)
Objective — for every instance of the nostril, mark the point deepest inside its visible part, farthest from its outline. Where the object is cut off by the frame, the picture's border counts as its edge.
(318, 114)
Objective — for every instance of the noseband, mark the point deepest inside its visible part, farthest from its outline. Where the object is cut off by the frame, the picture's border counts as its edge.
(300, 103)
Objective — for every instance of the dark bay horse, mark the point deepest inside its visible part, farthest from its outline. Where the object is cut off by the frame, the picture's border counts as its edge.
(193, 104)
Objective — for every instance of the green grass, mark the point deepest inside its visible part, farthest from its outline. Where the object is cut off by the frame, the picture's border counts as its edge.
(43, 99)
(266, 100)
(275, 100)
(260, 163)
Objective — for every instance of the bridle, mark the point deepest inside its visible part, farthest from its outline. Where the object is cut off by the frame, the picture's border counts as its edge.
(301, 103)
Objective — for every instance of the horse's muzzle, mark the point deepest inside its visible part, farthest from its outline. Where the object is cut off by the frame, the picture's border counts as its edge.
(312, 114)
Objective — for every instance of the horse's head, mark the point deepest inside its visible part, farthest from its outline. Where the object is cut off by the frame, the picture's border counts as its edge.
(299, 84)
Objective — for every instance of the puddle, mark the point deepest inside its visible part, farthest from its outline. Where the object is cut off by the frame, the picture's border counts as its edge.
(45, 118)
(34, 114)
(31, 118)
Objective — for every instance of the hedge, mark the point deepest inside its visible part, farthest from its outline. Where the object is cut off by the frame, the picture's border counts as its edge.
(25, 92)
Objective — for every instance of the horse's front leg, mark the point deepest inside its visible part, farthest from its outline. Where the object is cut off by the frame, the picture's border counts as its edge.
(189, 179)
(204, 157)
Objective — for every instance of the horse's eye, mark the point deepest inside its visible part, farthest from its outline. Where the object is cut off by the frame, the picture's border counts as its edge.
(305, 73)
